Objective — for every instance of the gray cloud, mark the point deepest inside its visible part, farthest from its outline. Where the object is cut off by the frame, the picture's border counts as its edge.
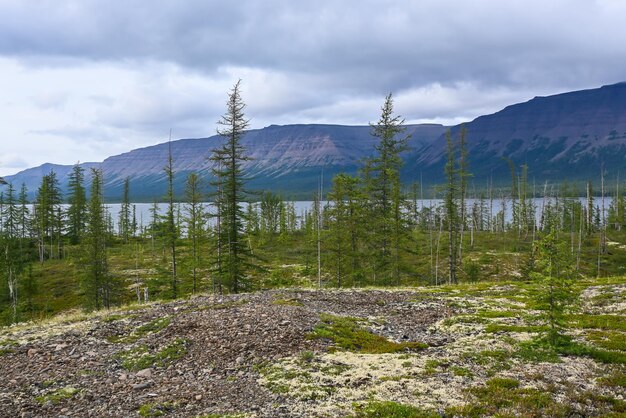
(366, 44)
(125, 73)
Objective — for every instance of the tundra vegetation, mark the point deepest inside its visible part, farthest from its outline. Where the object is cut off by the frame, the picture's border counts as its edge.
(527, 292)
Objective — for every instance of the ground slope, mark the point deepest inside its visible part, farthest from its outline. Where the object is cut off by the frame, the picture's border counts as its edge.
(458, 351)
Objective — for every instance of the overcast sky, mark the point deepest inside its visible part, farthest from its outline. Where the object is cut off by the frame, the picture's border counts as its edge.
(83, 80)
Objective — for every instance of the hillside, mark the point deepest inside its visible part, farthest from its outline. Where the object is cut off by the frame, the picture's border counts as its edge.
(463, 351)
(564, 136)
(285, 159)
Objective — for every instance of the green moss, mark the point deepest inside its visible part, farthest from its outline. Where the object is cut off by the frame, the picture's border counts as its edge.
(494, 360)
(114, 317)
(155, 409)
(609, 340)
(5, 351)
(497, 314)
(335, 369)
(389, 409)
(616, 379)
(348, 335)
(606, 322)
(288, 302)
(396, 378)
(501, 396)
(228, 305)
(461, 371)
(537, 351)
(58, 395)
(306, 356)
(465, 319)
(603, 356)
(140, 357)
(431, 366)
(151, 327)
(502, 383)
(494, 328)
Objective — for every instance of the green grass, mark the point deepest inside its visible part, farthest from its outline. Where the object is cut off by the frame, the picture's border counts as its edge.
(494, 328)
(609, 340)
(348, 335)
(503, 397)
(540, 349)
(616, 379)
(498, 314)
(605, 322)
(140, 357)
(153, 409)
(5, 351)
(151, 327)
(389, 409)
(287, 302)
(461, 371)
(58, 395)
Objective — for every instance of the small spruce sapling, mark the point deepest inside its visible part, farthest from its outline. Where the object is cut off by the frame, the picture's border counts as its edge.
(555, 273)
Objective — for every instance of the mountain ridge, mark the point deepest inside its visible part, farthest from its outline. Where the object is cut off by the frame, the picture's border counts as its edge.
(566, 135)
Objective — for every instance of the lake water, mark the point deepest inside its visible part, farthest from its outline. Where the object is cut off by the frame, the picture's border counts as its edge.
(144, 216)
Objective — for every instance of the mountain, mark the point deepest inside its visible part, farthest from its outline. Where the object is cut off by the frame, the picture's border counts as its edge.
(564, 136)
(287, 159)
(569, 135)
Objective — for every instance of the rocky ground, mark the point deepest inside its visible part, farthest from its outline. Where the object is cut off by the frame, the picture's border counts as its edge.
(257, 355)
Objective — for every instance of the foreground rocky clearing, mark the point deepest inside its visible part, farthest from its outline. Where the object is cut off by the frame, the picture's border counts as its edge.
(464, 351)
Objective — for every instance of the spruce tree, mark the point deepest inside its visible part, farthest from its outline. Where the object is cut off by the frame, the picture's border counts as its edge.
(228, 171)
(554, 271)
(47, 214)
(171, 231)
(12, 256)
(345, 229)
(451, 205)
(195, 219)
(125, 220)
(23, 212)
(77, 211)
(384, 190)
(97, 284)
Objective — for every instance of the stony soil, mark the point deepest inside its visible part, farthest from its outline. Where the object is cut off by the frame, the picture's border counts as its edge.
(226, 338)
(252, 355)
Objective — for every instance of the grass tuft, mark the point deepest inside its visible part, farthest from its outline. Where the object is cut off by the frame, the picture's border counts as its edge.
(348, 335)
(140, 357)
(389, 409)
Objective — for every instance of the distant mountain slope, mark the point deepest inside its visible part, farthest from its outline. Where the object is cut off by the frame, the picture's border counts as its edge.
(567, 135)
(286, 159)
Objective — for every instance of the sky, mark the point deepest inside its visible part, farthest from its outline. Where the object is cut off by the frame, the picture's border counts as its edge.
(83, 80)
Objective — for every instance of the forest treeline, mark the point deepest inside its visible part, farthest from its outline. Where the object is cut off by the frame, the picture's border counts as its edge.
(369, 229)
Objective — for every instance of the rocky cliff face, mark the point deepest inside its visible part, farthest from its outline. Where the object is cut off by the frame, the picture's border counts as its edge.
(284, 158)
(566, 135)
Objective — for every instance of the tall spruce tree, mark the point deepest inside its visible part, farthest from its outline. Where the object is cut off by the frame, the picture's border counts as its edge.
(451, 205)
(125, 219)
(384, 191)
(195, 219)
(12, 257)
(23, 212)
(47, 214)
(345, 228)
(77, 199)
(228, 159)
(97, 284)
(171, 230)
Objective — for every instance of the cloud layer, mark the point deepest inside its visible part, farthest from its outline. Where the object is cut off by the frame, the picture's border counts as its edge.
(87, 79)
